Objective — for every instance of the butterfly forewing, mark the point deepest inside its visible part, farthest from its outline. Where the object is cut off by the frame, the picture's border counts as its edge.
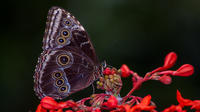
(68, 62)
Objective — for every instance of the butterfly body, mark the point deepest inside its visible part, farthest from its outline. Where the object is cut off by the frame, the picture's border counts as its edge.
(68, 62)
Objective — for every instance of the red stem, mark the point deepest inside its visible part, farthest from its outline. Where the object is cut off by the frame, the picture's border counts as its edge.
(138, 84)
(166, 72)
(157, 69)
(133, 89)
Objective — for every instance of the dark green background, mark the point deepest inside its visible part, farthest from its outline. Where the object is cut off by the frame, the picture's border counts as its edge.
(138, 33)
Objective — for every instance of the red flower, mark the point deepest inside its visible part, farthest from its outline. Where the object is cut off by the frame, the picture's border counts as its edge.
(182, 101)
(125, 71)
(107, 71)
(174, 108)
(111, 103)
(185, 70)
(170, 60)
(187, 102)
(165, 79)
(196, 105)
(49, 103)
(143, 105)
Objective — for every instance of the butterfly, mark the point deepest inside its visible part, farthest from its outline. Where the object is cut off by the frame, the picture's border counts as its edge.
(68, 62)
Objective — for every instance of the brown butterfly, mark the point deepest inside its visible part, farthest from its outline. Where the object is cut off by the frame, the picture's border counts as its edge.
(68, 62)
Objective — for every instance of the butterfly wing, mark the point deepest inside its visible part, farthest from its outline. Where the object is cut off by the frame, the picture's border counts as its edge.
(63, 29)
(68, 62)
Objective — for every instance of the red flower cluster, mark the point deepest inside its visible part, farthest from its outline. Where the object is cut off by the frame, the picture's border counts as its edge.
(111, 100)
(109, 71)
(47, 103)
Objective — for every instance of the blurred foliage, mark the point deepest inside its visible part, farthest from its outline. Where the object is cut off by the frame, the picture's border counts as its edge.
(136, 32)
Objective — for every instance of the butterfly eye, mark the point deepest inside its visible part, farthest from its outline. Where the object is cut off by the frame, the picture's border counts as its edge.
(59, 82)
(67, 22)
(63, 59)
(65, 33)
(57, 74)
(61, 40)
(63, 89)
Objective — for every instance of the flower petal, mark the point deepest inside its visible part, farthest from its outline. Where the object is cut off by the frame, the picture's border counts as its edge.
(49, 103)
(182, 101)
(112, 102)
(185, 70)
(170, 60)
(143, 105)
(146, 100)
(40, 109)
(125, 71)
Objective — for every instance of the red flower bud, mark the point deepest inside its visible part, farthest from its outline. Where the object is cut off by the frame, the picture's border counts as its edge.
(111, 103)
(125, 71)
(170, 60)
(107, 71)
(112, 71)
(49, 103)
(185, 70)
(165, 79)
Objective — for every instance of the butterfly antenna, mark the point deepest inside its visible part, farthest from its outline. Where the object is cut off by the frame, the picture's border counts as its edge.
(102, 67)
(110, 66)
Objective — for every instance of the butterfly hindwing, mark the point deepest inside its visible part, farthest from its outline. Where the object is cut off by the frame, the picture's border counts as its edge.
(61, 68)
